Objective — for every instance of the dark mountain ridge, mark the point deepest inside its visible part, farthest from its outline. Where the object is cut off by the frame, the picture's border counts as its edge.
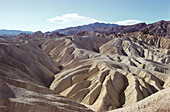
(158, 28)
(90, 27)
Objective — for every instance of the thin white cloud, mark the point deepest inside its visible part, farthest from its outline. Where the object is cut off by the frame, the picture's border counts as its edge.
(72, 19)
(128, 22)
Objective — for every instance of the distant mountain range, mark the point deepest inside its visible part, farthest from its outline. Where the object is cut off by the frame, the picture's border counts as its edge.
(5, 32)
(157, 28)
(90, 27)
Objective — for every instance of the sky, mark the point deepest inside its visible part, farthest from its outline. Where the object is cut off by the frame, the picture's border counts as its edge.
(49, 15)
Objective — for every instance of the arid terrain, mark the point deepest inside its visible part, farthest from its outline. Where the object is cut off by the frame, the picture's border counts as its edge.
(113, 68)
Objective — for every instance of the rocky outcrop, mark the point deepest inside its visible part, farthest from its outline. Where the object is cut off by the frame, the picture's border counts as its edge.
(161, 28)
(26, 60)
(89, 71)
(126, 29)
(90, 33)
(123, 71)
(26, 73)
(21, 96)
(39, 35)
(158, 102)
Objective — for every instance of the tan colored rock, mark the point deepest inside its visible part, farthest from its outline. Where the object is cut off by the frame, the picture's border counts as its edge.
(158, 102)
(102, 72)
(25, 75)
(124, 71)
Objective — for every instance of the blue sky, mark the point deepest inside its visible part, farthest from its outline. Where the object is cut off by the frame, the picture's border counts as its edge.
(48, 15)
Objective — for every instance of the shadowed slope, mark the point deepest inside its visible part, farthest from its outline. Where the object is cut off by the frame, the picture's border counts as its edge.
(25, 73)
(104, 72)
(119, 74)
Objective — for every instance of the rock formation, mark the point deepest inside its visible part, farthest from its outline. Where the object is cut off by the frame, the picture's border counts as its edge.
(88, 71)
(26, 73)
(161, 28)
(115, 73)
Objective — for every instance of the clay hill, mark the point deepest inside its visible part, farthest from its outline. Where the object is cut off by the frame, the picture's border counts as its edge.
(125, 71)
